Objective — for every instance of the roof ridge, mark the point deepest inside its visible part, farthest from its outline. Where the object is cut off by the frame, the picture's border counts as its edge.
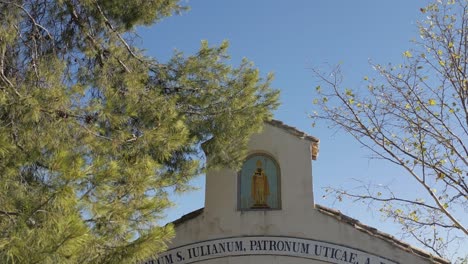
(379, 234)
(188, 216)
(354, 223)
(292, 130)
(314, 146)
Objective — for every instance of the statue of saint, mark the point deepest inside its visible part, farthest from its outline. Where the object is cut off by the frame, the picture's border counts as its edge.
(260, 187)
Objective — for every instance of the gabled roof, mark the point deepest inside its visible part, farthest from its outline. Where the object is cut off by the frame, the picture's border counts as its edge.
(188, 216)
(296, 132)
(376, 233)
(352, 222)
(314, 146)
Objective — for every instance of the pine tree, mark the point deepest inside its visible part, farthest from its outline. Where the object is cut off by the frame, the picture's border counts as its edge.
(94, 134)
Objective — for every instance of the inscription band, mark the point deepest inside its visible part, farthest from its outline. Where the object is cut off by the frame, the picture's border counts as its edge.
(267, 245)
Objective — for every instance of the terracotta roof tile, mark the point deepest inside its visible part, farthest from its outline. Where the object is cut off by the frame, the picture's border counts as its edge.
(376, 233)
(292, 130)
(314, 146)
(188, 216)
(354, 223)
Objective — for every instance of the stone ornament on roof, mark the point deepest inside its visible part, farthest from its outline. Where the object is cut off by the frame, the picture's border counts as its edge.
(314, 146)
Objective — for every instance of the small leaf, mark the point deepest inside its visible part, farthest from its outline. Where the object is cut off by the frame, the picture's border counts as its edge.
(407, 54)
(440, 176)
(432, 102)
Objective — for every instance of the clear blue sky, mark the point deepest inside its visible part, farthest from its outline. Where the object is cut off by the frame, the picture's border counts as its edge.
(288, 38)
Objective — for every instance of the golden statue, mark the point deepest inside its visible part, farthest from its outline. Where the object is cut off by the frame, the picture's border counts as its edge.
(260, 187)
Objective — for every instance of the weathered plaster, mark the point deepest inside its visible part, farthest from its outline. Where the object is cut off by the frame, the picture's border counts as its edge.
(298, 217)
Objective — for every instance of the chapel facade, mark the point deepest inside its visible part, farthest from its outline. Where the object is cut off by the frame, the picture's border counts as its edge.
(265, 214)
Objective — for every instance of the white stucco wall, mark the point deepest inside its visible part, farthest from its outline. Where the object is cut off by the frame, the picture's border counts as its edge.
(298, 218)
(293, 156)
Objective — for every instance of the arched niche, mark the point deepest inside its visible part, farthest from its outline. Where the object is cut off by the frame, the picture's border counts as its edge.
(259, 183)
